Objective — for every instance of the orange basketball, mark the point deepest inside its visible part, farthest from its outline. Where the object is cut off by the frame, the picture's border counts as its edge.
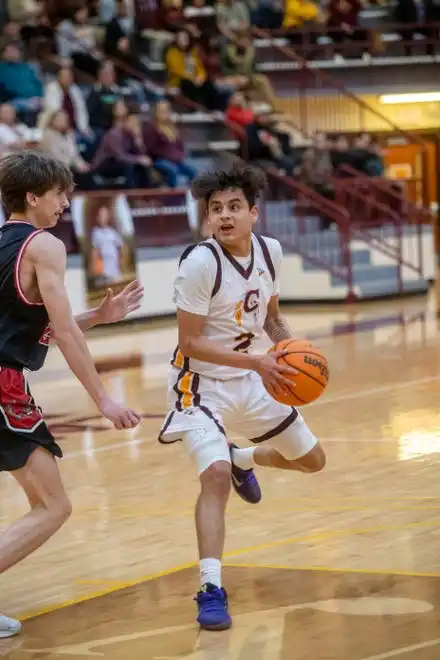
(313, 375)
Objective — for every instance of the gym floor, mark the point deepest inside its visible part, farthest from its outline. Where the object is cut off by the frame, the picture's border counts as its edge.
(339, 565)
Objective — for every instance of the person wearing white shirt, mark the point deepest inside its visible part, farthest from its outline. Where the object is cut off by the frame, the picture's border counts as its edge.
(12, 135)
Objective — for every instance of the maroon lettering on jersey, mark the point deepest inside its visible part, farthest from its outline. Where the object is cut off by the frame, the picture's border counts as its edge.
(46, 336)
(16, 404)
(251, 301)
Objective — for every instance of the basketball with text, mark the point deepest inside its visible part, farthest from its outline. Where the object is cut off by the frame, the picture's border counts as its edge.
(313, 372)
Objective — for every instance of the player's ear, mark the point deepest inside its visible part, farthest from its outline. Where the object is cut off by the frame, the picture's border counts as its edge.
(31, 199)
(254, 214)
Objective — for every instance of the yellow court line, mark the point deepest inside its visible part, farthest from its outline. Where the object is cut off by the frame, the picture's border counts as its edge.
(118, 586)
(329, 569)
(330, 534)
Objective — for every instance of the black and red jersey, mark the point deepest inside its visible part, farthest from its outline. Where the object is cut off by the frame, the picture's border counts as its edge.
(24, 325)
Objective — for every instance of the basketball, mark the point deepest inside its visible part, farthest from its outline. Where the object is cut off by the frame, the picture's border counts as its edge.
(312, 380)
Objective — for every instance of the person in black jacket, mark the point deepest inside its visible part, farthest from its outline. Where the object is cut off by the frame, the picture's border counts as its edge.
(102, 99)
(421, 13)
(119, 32)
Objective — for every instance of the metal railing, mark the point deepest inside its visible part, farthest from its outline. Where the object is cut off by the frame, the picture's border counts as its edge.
(321, 103)
(385, 230)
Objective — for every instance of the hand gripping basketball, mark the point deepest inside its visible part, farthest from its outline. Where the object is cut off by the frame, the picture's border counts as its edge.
(311, 372)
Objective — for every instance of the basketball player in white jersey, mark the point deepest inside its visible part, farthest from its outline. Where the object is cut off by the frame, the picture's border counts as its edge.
(226, 293)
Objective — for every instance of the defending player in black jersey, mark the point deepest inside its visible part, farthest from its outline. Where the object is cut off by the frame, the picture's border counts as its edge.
(33, 307)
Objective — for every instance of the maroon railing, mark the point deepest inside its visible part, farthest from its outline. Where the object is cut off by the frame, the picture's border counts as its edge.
(361, 39)
(320, 102)
(384, 230)
(290, 226)
(389, 192)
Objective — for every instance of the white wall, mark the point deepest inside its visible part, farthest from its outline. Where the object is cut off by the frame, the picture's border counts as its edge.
(157, 277)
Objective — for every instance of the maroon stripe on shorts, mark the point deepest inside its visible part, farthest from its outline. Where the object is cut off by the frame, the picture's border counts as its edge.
(278, 429)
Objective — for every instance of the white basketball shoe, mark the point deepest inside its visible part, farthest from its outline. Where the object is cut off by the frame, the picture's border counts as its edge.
(9, 627)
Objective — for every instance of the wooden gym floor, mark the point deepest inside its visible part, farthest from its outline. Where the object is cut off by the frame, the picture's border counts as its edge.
(341, 565)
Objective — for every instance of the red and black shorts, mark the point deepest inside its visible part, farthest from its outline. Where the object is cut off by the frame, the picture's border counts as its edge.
(22, 427)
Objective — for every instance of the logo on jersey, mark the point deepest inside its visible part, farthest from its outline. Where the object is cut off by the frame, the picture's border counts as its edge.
(260, 271)
(247, 306)
(46, 336)
(238, 313)
(251, 301)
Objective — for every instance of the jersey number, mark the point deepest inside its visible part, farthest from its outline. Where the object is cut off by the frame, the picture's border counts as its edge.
(245, 341)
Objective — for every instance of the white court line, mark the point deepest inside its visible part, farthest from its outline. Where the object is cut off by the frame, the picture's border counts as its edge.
(92, 452)
(360, 394)
(404, 649)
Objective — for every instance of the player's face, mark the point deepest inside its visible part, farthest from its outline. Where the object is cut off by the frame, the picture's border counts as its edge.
(230, 217)
(48, 208)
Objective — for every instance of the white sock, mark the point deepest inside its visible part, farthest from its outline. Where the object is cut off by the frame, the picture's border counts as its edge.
(243, 458)
(211, 571)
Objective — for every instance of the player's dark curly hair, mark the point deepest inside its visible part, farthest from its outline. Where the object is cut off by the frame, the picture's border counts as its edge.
(240, 176)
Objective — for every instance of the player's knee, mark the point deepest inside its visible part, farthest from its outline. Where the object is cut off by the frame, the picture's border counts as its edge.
(314, 461)
(207, 447)
(217, 479)
(60, 509)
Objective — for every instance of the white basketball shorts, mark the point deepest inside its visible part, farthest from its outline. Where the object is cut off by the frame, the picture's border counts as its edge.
(241, 405)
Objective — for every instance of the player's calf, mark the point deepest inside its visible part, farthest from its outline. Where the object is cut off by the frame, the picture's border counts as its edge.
(212, 603)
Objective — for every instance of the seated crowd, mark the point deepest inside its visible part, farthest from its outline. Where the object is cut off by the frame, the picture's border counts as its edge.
(103, 127)
(112, 134)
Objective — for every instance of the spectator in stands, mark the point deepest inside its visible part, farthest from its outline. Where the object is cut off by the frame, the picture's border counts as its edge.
(122, 153)
(59, 141)
(170, 15)
(119, 32)
(186, 71)
(367, 155)
(265, 146)
(12, 134)
(119, 113)
(36, 30)
(238, 111)
(19, 83)
(340, 154)
(63, 94)
(267, 14)
(238, 59)
(22, 11)
(316, 166)
(299, 14)
(166, 147)
(76, 40)
(10, 33)
(343, 17)
(102, 99)
(232, 16)
(419, 12)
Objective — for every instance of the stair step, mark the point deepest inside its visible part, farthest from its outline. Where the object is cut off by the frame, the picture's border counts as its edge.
(333, 257)
(369, 273)
(391, 287)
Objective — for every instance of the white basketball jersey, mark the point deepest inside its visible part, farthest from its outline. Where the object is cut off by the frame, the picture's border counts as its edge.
(232, 293)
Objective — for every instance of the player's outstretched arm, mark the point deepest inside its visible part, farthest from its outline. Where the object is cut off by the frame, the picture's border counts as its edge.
(113, 308)
(276, 326)
(48, 257)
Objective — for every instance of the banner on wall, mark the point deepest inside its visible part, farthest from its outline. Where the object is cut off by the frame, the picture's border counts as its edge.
(105, 232)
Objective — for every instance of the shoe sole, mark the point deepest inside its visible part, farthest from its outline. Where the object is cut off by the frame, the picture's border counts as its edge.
(218, 627)
(9, 633)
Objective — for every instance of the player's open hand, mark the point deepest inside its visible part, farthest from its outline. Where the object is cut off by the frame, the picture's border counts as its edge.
(115, 308)
(274, 375)
(120, 416)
